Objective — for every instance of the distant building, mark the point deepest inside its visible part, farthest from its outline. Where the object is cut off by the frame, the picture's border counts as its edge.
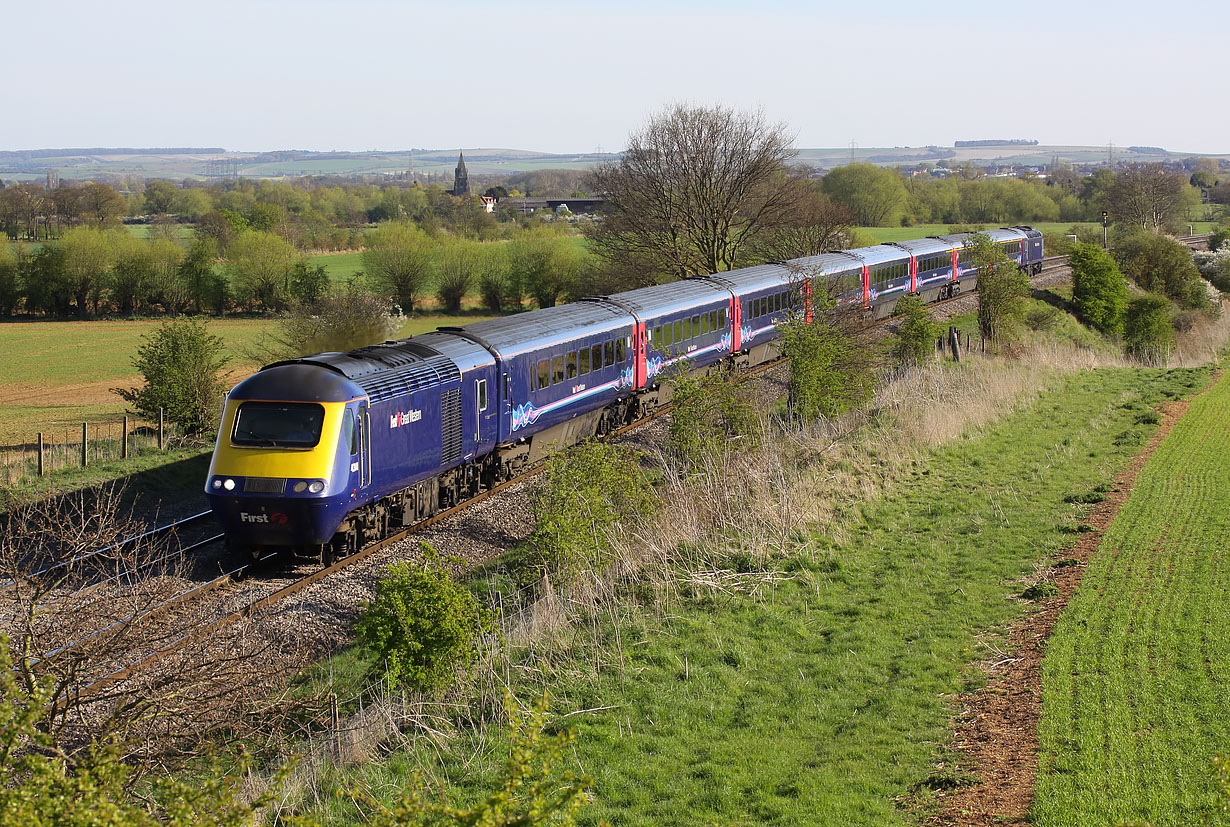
(575, 205)
(488, 203)
(461, 178)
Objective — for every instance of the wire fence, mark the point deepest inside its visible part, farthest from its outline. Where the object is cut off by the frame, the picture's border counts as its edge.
(81, 443)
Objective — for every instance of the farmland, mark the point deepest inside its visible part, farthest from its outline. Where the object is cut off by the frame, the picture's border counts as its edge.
(62, 372)
(1135, 676)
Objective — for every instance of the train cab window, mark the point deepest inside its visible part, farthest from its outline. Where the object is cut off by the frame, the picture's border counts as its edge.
(583, 368)
(348, 433)
(621, 351)
(557, 369)
(608, 350)
(278, 424)
(544, 375)
(481, 392)
(571, 365)
(596, 354)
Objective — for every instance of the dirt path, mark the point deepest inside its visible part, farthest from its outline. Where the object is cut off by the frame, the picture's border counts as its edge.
(996, 727)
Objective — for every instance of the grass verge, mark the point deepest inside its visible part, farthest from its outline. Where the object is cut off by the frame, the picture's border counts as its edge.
(794, 664)
(1135, 676)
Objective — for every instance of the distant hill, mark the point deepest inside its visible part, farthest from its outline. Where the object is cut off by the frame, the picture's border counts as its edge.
(201, 163)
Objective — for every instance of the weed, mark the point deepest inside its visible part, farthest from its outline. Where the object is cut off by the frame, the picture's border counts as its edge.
(1040, 591)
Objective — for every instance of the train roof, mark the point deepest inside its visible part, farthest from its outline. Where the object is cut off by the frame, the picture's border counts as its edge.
(666, 298)
(752, 279)
(385, 370)
(926, 246)
(1001, 234)
(511, 335)
(297, 382)
(878, 254)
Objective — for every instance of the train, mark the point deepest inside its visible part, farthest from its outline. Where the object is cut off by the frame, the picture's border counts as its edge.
(321, 454)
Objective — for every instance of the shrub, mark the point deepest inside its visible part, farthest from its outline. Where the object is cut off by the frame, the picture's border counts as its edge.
(584, 494)
(1161, 265)
(708, 411)
(421, 625)
(916, 333)
(1218, 238)
(181, 362)
(829, 370)
(1148, 334)
(1002, 289)
(1098, 290)
(308, 282)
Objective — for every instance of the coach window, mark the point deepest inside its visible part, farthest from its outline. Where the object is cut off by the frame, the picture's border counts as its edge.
(713, 321)
(721, 321)
(704, 323)
(656, 338)
(557, 369)
(621, 350)
(677, 332)
(696, 326)
(596, 354)
(571, 362)
(687, 329)
(608, 350)
(584, 366)
(544, 375)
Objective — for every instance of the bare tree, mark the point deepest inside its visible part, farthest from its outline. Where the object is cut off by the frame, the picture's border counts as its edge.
(1147, 195)
(695, 186)
(815, 224)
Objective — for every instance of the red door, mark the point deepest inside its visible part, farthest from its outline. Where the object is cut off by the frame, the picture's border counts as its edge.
(638, 344)
(866, 286)
(913, 274)
(736, 325)
(955, 258)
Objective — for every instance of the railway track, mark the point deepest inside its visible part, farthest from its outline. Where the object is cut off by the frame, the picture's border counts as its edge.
(147, 659)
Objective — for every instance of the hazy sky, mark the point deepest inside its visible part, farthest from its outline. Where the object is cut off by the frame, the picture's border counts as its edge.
(561, 77)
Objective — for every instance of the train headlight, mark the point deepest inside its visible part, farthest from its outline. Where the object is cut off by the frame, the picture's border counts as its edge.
(228, 484)
(300, 487)
(217, 484)
(316, 486)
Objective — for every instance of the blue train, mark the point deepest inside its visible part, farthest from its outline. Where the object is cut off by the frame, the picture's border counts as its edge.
(318, 455)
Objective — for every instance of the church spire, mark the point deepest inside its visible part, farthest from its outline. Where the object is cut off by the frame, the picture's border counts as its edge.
(461, 178)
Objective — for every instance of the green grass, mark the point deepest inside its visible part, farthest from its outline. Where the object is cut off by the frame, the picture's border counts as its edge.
(883, 235)
(826, 700)
(1136, 673)
(340, 266)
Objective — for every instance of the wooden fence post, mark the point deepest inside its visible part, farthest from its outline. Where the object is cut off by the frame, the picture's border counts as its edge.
(160, 429)
(84, 443)
(40, 453)
(124, 440)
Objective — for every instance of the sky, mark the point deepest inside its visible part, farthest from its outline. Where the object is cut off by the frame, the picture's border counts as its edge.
(256, 75)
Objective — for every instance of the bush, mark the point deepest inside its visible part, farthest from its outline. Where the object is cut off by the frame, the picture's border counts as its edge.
(1002, 289)
(308, 282)
(1098, 290)
(1148, 334)
(421, 626)
(1161, 265)
(829, 370)
(1218, 238)
(181, 362)
(708, 411)
(585, 493)
(916, 332)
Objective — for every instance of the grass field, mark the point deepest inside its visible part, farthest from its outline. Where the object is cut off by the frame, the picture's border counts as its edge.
(56, 373)
(340, 266)
(1136, 675)
(884, 235)
(824, 699)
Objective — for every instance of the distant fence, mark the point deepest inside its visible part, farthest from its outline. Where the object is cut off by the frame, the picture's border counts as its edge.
(78, 444)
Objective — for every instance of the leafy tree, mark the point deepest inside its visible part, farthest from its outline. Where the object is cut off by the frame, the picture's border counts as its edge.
(1161, 265)
(260, 265)
(181, 363)
(132, 271)
(829, 370)
(1098, 289)
(10, 287)
(86, 267)
(421, 625)
(916, 332)
(101, 205)
(159, 196)
(533, 264)
(872, 193)
(308, 282)
(1148, 333)
(191, 203)
(708, 410)
(692, 189)
(458, 265)
(165, 285)
(1002, 289)
(400, 260)
(1218, 238)
(205, 288)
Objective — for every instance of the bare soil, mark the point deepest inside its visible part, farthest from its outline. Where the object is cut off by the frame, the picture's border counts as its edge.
(996, 728)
